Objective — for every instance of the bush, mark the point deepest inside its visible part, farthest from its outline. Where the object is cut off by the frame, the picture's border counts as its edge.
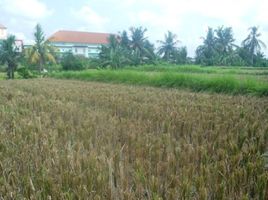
(25, 73)
(54, 67)
(72, 62)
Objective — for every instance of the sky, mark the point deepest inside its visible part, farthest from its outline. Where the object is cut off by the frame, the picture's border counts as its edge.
(188, 19)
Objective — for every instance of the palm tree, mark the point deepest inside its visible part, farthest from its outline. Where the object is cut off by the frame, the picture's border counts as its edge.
(252, 44)
(137, 38)
(224, 39)
(124, 40)
(114, 54)
(168, 46)
(42, 52)
(206, 53)
(9, 55)
(141, 48)
(224, 44)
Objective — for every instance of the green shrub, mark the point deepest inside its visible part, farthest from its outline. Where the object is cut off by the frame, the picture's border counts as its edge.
(72, 62)
(25, 73)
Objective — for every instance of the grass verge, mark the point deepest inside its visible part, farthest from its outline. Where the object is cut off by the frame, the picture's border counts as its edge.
(229, 84)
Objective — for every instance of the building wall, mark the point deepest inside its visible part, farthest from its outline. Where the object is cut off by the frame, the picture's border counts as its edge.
(19, 45)
(3, 33)
(87, 50)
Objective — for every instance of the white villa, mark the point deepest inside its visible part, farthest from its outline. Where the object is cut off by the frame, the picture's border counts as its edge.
(4, 34)
(79, 43)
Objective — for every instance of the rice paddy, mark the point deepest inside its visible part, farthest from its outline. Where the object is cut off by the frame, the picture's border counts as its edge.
(66, 139)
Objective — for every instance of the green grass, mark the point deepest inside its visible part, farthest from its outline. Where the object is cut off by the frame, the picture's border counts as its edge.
(3, 76)
(219, 83)
(203, 70)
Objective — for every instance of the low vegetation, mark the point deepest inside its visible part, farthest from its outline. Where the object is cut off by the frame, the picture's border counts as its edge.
(76, 140)
(220, 83)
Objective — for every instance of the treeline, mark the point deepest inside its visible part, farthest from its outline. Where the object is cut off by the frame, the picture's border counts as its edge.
(133, 48)
(218, 48)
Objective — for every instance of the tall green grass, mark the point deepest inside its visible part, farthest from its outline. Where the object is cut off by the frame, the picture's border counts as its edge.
(230, 84)
(200, 69)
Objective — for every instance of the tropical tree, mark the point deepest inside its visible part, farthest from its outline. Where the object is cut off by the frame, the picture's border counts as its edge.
(41, 52)
(72, 62)
(138, 38)
(224, 45)
(113, 55)
(180, 55)
(9, 55)
(252, 43)
(141, 48)
(168, 47)
(206, 53)
(224, 40)
(124, 40)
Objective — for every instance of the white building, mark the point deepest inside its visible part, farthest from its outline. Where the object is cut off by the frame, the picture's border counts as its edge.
(79, 43)
(3, 32)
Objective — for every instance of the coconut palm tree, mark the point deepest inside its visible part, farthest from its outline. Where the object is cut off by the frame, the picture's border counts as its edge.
(252, 44)
(9, 55)
(124, 40)
(224, 39)
(137, 38)
(113, 54)
(42, 52)
(206, 53)
(168, 46)
(140, 45)
(224, 44)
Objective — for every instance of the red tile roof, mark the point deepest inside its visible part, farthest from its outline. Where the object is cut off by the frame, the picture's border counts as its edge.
(80, 37)
(2, 26)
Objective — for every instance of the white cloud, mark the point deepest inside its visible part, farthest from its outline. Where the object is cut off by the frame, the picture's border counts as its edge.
(91, 18)
(30, 9)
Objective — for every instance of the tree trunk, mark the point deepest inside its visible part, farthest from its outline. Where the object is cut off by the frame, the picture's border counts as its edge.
(12, 72)
(9, 72)
(41, 64)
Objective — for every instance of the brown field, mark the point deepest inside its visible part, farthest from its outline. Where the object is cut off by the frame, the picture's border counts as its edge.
(81, 140)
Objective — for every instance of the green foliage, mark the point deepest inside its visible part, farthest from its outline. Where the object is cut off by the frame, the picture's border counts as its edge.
(220, 49)
(9, 55)
(195, 82)
(168, 47)
(25, 73)
(252, 44)
(169, 51)
(42, 53)
(113, 55)
(180, 55)
(206, 54)
(172, 68)
(72, 62)
(122, 51)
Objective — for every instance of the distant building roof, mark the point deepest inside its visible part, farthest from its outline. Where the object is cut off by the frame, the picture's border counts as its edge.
(80, 37)
(2, 26)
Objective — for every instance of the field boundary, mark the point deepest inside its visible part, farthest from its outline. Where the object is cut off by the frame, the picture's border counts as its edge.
(228, 84)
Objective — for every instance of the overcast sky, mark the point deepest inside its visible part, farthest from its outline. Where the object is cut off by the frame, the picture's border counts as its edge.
(189, 19)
